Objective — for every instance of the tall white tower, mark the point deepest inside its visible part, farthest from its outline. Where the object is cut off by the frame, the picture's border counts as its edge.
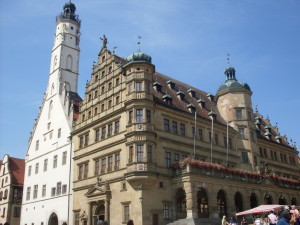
(47, 197)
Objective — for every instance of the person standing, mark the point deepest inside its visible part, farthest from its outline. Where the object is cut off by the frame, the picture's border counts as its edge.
(285, 219)
(224, 222)
(258, 220)
(272, 218)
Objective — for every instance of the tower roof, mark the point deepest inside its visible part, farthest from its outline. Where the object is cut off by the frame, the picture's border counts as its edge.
(69, 13)
(139, 57)
(231, 82)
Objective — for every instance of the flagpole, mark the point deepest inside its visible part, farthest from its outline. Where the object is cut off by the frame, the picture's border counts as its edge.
(227, 145)
(211, 139)
(195, 135)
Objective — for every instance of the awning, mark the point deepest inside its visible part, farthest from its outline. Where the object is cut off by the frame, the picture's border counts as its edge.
(261, 209)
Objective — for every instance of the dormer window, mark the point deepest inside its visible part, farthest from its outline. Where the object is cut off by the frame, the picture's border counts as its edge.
(268, 129)
(257, 124)
(212, 115)
(171, 84)
(210, 97)
(268, 135)
(191, 108)
(192, 93)
(278, 139)
(180, 95)
(157, 86)
(103, 58)
(167, 99)
(201, 103)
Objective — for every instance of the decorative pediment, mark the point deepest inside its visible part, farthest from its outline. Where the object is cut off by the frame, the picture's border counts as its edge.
(100, 188)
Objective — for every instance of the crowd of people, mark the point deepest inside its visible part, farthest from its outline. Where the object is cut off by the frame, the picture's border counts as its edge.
(289, 216)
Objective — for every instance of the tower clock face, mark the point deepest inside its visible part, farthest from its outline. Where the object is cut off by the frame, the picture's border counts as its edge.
(65, 27)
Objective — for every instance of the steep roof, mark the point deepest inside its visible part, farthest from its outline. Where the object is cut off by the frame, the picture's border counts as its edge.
(76, 99)
(17, 168)
(181, 105)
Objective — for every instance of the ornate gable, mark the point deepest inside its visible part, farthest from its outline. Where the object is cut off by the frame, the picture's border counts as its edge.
(100, 188)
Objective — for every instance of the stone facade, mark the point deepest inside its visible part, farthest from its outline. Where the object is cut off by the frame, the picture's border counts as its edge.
(135, 156)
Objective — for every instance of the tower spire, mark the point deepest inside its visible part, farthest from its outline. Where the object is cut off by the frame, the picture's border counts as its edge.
(139, 43)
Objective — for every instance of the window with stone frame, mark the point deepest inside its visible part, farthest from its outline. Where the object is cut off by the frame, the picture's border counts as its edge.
(80, 172)
(86, 139)
(117, 127)
(36, 168)
(216, 139)
(55, 161)
(81, 142)
(239, 114)
(45, 165)
(140, 153)
(109, 163)
(174, 127)
(76, 218)
(110, 130)
(29, 171)
(44, 188)
(64, 189)
(130, 154)
(166, 125)
(130, 116)
(139, 116)
(86, 170)
(126, 212)
(97, 166)
(166, 211)
(17, 211)
(64, 158)
(176, 158)
(182, 129)
(97, 135)
(242, 132)
(103, 133)
(35, 191)
(245, 157)
(103, 165)
(117, 100)
(149, 153)
(168, 159)
(28, 193)
(148, 116)
(138, 86)
(53, 191)
(117, 161)
(58, 188)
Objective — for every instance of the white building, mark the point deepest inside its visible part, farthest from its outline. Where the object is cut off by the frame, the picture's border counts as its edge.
(47, 198)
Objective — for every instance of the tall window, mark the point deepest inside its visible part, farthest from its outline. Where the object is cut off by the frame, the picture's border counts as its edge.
(182, 129)
(58, 188)
(45, 165)
(86, 141)
(76, 218)
(86, 170)
(168, 159)
(117, 127)
(201, 134)
(64, 158)
(209, 135)
(174, 127)
(97, 135)
(44, 190)
(138, 86)
(242, 133)
(109, 130)
(97, 166)
(103, 134)
(149, 153)
(139, 115)
(50, 109)
(140, 153)
(110, 163)
(53, 190)
(148, 116)
(37, 145)
(216, 139)
(103, 165)
(35, 191)
(126, 213)
(117, 100)
(166, 211)
(36, 168)
(80, 172)
(225, 141)
(29, 171)
(166, 125)
(55, 161)
(117, 161)
(245, 157)
(59, 133)
(176, 158)
(130, 154)
(64, 189)
(239, 115)
(81, 141)
(230, 143)
(17, 211)
(28, 193)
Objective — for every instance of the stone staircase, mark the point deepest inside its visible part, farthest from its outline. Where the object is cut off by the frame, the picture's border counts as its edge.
(196, 221)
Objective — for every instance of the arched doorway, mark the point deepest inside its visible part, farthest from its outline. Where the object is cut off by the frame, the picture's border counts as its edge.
(281, 200)
(180, 204)
(202, 203)
(238, 201)
(99, 212)
(253, 200)
(294, 201)
(222, 205)
(268, 199)
(53, 220)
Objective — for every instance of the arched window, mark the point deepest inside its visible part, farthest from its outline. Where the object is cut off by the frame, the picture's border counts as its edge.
(180, 204)
(238, 201)
(294, 201)
(268, 199)
(1, 195)
(281, 200)
(202, 203)
(222, 205)
(253, 200)
(50, 109)
(69, 63)
(99, 212)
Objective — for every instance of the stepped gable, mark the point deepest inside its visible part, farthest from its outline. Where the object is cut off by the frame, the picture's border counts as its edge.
(76, 99)
(273, 131)
(17, 168)
(181, 105)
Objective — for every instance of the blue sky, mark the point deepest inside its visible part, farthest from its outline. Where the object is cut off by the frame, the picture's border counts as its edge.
(188, 40)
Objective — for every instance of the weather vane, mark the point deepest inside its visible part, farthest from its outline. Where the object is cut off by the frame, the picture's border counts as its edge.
(139, 43)
(228, 59)
(114, 48)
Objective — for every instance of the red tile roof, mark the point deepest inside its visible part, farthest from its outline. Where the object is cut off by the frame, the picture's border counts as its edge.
(17, 168)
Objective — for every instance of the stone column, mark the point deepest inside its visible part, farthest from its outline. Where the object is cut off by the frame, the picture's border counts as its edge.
(106, 202)
(212, 201)
(89, 213)
(191, 200)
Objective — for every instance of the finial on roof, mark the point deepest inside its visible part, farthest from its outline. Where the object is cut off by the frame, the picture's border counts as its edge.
(256, 108)
(228, 59)
(114, 48)
(139, 43)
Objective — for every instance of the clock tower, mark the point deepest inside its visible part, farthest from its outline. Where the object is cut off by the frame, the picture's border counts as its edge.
(48, 163)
